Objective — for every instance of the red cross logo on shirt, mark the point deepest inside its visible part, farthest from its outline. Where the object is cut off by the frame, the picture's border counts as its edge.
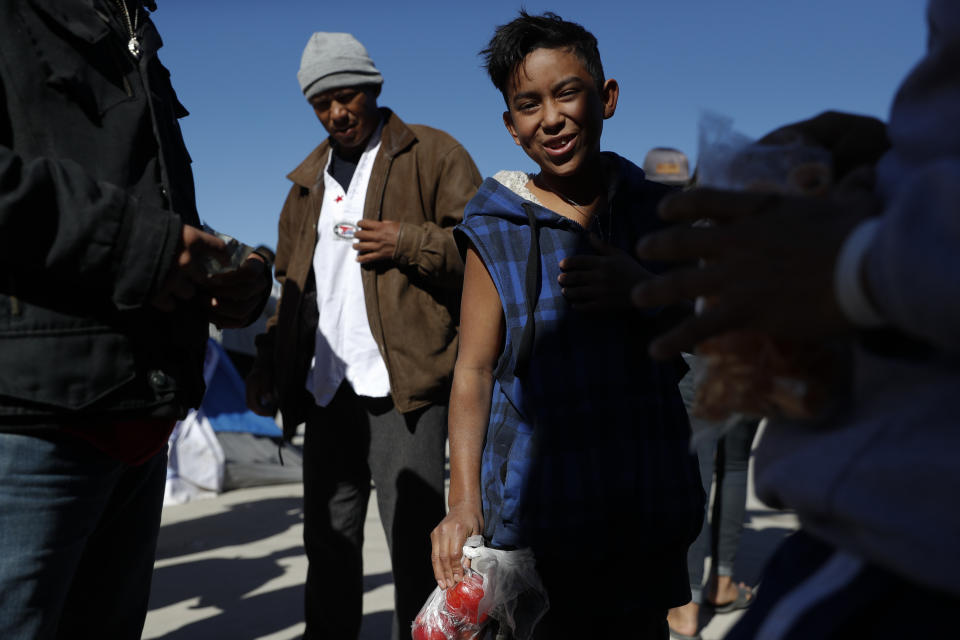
(338, 199)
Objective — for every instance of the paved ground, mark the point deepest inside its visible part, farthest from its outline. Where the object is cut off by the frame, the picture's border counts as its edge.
(232, 568)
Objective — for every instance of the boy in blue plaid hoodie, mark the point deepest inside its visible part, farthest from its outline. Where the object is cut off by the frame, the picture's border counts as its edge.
(564, 436)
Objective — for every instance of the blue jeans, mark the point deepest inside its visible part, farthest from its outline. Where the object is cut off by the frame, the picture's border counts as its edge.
(720, 534)
(78, 534)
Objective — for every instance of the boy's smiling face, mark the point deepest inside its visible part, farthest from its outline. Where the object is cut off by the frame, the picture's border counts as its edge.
(555, 111)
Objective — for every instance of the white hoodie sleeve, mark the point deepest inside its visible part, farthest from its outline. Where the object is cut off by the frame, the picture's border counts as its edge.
(912, 262)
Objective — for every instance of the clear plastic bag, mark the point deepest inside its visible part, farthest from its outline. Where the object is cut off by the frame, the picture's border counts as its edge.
(499, 585)
(728, 159)
(750, 372)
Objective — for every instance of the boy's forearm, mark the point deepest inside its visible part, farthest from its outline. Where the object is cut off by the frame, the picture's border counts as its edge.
(469, 415)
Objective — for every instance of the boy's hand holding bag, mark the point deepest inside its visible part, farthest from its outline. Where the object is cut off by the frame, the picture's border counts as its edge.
(497, 584)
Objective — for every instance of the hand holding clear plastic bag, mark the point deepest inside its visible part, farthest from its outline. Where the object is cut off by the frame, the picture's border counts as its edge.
(500, 585)
(751, 372)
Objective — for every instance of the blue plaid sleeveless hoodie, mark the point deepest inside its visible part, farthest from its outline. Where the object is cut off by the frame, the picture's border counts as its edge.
(588, 438)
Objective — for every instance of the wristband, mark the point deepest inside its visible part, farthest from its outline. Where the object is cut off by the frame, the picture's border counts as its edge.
(847, 283)
(267, 254)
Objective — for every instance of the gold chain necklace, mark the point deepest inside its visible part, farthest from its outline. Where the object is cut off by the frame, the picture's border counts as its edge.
(133, 46)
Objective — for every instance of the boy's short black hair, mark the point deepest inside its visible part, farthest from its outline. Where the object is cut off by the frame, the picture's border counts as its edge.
(514, 41)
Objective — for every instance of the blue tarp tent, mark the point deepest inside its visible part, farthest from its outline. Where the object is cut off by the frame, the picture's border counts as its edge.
(225, 404)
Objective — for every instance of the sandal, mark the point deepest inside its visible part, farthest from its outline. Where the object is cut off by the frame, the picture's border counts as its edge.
(743, 600)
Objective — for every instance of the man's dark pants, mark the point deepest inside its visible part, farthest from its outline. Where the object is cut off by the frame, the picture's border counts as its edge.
(346, 445)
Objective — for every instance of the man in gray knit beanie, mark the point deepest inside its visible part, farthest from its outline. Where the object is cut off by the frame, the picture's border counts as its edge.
(340, 81)
(363, 343)
(335, 60)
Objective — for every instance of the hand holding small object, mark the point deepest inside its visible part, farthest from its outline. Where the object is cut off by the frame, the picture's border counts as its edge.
(236, 294)
(376, 240)
(188, 271)
(772, 272)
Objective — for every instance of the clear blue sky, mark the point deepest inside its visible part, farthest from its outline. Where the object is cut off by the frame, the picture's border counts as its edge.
(761, 62)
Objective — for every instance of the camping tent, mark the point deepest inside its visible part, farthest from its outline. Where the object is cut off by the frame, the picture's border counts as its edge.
(223, 445)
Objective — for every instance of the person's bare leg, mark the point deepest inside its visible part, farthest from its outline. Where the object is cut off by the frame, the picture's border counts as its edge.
(684, 619)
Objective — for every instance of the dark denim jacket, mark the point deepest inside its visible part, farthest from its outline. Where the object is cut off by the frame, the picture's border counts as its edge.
(95, 185)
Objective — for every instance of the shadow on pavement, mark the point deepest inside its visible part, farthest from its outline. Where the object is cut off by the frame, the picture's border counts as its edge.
(372, 581)
(224, 583)
(253, 617)
(218, 582)
(244, 523)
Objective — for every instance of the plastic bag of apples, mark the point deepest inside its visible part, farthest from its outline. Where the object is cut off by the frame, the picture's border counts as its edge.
(497, 584)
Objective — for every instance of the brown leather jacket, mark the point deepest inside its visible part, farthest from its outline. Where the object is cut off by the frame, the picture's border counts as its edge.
(422, 178)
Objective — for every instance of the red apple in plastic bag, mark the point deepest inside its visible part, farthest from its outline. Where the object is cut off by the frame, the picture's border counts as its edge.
(463, 600)
(434, 626)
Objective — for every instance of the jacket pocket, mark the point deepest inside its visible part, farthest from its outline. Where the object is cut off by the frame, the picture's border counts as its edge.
(66, 366)
(79, 57)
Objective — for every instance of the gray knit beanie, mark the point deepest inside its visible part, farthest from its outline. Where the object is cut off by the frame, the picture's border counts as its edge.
(335, 60)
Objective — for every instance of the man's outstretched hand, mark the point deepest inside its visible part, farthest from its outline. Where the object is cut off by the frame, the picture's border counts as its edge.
(187, 273)
(766, 262)
(236, 296)
(230, 299)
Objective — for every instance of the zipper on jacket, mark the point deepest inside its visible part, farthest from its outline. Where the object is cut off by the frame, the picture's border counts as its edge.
(119, 63)
(376, 292)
